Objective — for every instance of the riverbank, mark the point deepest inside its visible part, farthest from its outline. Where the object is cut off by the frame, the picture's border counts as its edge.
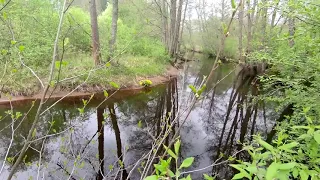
(127, 74)
(131, 87)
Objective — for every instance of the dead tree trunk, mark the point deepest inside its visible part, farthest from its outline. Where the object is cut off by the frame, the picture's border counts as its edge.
(114, 27)
(95, 32)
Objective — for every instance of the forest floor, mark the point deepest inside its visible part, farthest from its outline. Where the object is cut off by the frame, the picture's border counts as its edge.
(22, 85)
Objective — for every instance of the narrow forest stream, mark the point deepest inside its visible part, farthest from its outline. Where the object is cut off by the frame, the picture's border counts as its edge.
(228, 114)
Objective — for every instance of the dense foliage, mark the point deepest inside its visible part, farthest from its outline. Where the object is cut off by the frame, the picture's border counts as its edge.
(28, 31)
(292, 81)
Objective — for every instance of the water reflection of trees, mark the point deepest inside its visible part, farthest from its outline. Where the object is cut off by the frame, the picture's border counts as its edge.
(126, 129)
(242, 116)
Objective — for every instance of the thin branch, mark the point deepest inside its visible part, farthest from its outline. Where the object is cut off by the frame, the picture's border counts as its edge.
(11, 141)
(4, 6)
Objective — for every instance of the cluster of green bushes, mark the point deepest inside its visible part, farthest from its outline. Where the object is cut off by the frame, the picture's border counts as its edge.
(34, 24)
(292, 83)
(29, 28)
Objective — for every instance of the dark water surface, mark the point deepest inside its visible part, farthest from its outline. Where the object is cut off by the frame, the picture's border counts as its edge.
(123, 128)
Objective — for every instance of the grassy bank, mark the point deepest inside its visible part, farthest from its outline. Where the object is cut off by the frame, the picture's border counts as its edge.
(80, 69)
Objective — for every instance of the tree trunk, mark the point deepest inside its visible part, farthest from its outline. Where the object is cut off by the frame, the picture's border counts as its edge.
(264, 22)
(95, 33)
(114, 27)
(274, 14)
(223, 10)
(292, 30)
(173, 15)
(103, 5)
(100, 129)
(116, 129)
(177, 30)
(241, 9)
(249, 35)
(164, 16)
(182, 26)
(255, 17)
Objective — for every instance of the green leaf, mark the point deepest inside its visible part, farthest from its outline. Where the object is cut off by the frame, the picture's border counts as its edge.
(81, 110)
(84, 101)
(201, 89)
(233, 4)
(161, 168)
(171, 174)
(177, 146)
(300, 127)
(140, 124)
(316, 136)
(170, 152)
(110, 167)
(4, 52)
(288, 147)
(237, 167)
(252, 169)
(66, 41)
(13, 42)
(188, 177)
(34, 133)
(105, 93)
(5, 15)
(240, 175)
(306, 109)
(303, 175)
(224, 27)
(187, 162)
(286, 166)
(120, 163)
(108, 64)
(153, 177)
(115, 85)
(265, 144)
(272, 171)
(52, 83)
(295, 173)
(21, 48)
(207, 177)
(178, 173)
(193, 89)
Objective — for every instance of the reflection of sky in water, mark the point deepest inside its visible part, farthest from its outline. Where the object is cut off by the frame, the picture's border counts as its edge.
(200, 134)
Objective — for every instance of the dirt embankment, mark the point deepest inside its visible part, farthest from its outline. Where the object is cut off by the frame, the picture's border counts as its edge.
(130, 88)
